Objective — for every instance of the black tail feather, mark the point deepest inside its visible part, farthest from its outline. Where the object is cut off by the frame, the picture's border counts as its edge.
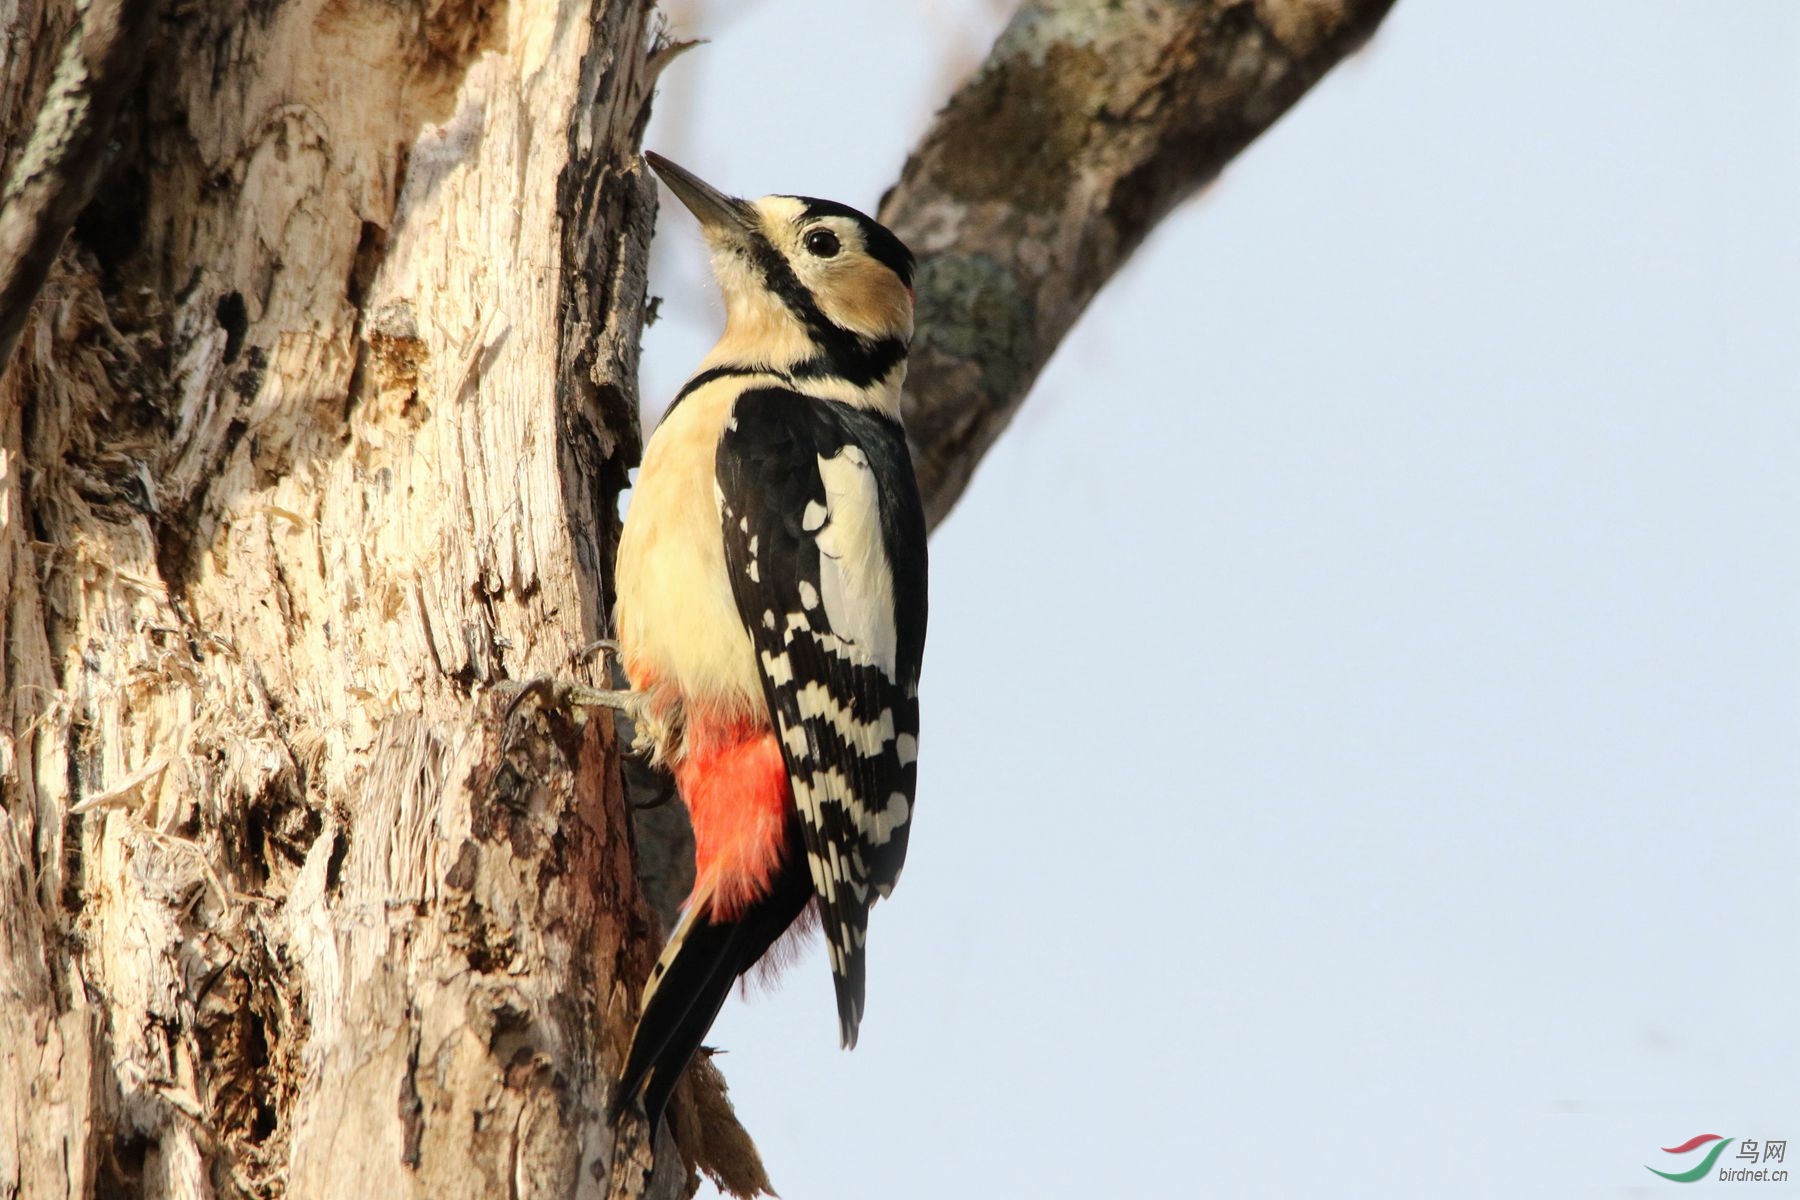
(700, 971)
(692, 989)
(683, 1041)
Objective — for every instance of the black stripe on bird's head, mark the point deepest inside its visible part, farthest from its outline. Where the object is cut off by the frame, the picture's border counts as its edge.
(878, 241)
(812, 287)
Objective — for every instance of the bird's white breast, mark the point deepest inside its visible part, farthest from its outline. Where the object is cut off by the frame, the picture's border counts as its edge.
(678, 621)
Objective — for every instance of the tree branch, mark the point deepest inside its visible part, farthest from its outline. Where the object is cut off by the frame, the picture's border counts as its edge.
(56, 176)
(1086, 125)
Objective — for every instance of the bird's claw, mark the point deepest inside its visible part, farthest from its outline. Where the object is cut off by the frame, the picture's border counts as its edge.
(598, 646)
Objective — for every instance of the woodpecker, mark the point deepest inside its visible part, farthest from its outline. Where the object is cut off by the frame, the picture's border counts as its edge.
(771, 609)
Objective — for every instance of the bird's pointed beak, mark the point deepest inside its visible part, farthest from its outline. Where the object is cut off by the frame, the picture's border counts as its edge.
(717, 212)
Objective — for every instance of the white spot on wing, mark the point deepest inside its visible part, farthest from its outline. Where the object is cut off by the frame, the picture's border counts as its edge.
(855, 579)
(804, 796)
(879, 827)
(813, 517)
(809, 595)
(777, 667)
(865, 737)
(907, 747)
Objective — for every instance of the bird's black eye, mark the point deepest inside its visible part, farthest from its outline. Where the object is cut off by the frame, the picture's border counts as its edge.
(821, 242)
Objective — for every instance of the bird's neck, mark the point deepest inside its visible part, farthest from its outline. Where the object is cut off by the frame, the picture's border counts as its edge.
(829, 364)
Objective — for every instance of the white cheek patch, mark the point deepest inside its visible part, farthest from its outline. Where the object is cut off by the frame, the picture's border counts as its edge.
(856, 583)
(733, 271)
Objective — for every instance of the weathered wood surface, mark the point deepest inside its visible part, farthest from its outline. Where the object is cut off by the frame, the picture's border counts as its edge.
(314, 436)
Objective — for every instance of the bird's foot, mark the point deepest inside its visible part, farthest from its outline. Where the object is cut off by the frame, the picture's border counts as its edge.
(574, 697)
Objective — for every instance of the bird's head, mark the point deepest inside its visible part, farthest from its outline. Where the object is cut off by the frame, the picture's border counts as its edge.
(813, 289)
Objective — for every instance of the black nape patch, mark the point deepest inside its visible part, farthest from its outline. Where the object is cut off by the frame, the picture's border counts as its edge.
(880, 241)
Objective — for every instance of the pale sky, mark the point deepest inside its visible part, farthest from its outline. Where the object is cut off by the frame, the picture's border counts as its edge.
(1362, 704)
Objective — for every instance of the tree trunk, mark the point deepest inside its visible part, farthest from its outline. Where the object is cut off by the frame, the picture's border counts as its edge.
(312, 438)
(315, 434)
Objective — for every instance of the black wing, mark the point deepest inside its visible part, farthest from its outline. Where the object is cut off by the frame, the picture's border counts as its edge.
(825, 546)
